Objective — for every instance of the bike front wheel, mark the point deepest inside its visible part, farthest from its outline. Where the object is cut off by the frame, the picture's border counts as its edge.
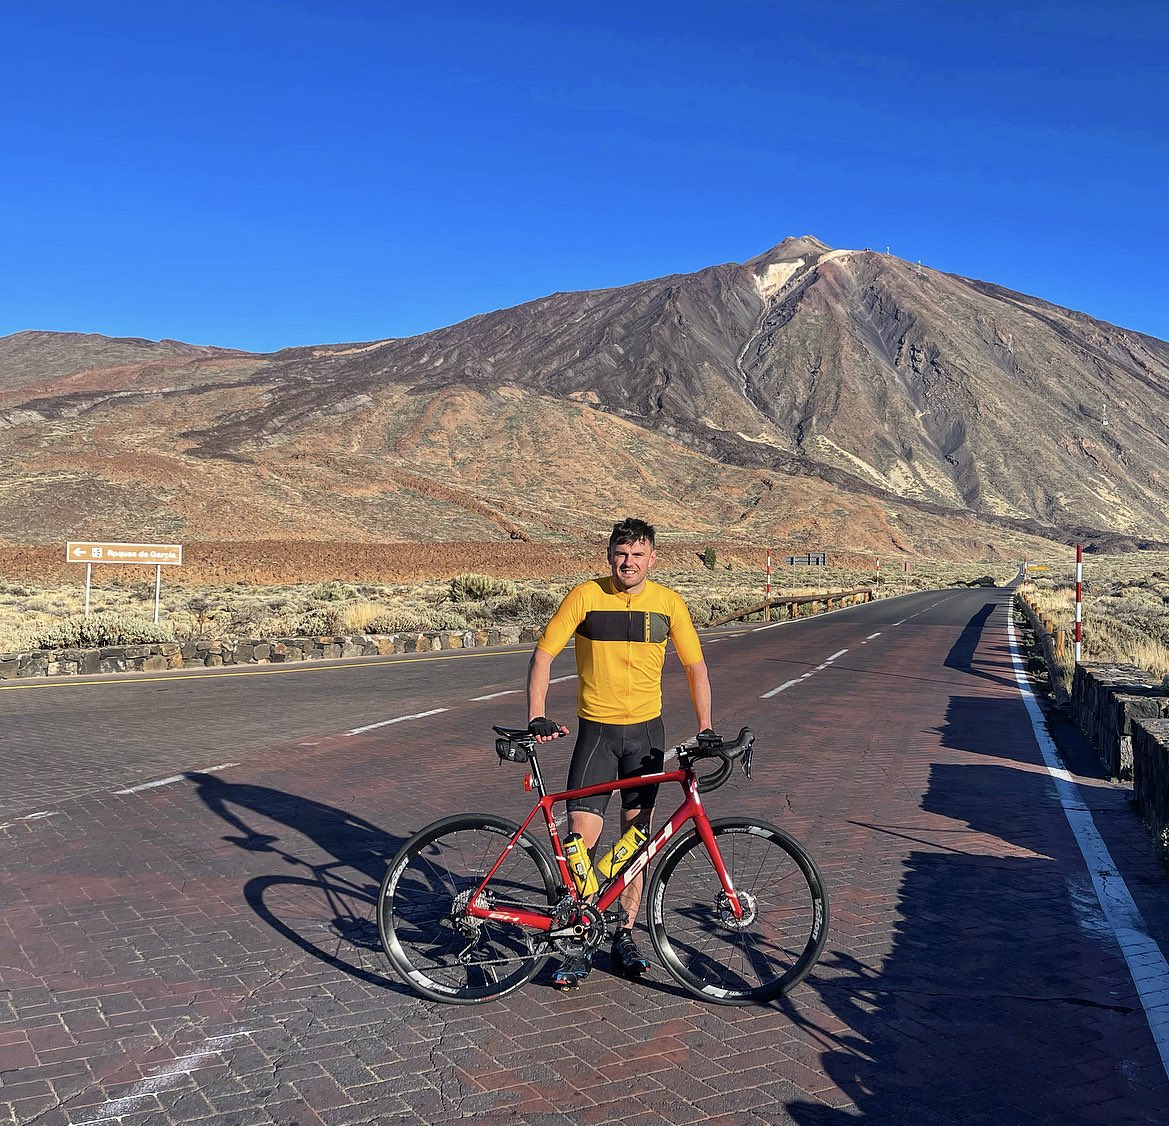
(770, 949)
(432, 943)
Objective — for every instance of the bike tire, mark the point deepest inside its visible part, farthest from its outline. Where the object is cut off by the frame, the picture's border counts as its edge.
(443, 959)
(695, 935)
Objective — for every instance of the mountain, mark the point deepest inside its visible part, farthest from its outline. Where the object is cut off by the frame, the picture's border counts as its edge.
(810, 397)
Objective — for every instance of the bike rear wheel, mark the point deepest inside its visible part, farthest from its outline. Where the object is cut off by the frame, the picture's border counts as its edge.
(433, 945)
(784, 925)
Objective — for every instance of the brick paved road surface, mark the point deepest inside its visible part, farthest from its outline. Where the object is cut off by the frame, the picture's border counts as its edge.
(203, 950)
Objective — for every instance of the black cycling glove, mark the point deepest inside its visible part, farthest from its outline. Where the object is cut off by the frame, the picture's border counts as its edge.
(543, 727)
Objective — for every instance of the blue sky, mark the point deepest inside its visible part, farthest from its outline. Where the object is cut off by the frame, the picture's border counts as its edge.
(260, 174)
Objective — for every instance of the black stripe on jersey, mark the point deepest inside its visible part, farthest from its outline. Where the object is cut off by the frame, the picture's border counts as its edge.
(624, 625)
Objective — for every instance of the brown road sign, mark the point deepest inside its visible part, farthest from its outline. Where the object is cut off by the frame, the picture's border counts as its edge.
(150, 554)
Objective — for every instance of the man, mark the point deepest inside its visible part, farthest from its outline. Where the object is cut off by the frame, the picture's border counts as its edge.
(621, 624)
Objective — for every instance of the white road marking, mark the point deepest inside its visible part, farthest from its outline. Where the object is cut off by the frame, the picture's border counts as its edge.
(1146, 963)
(514, 691)
(31, 817)
(788, 683)
(165, 1077)
(782, 688)
(872, 635)
(172, 779)
(396, 719)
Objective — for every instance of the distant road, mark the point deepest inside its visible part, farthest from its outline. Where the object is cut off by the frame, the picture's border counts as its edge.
(190, 861)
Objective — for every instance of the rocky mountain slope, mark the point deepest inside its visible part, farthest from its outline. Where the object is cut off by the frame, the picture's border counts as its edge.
(808, 398)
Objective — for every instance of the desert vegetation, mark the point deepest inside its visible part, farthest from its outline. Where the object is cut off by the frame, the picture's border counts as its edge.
(49, 613)
(1125, 609)
(1126, 599)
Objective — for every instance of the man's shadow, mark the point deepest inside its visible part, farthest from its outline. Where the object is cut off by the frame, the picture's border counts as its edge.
(327, 907)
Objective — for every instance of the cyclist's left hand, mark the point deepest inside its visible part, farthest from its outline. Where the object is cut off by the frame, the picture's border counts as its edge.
(546, 729)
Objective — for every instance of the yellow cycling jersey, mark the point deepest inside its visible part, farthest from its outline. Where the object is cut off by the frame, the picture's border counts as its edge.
(621, 647)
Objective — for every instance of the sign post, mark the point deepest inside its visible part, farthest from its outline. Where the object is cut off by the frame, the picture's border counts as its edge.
(767, 590)
(1079, 599)
(156, 555)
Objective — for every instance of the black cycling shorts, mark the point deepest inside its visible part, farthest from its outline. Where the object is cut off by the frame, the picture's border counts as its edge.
(606, 751)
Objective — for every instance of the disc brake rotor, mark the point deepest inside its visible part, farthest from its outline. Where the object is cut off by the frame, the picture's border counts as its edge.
(726, 913)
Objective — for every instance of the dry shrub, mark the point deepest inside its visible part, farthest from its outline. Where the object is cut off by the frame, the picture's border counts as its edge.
(399, 620)
(1123, 611)
(474, 587)
(355, 617)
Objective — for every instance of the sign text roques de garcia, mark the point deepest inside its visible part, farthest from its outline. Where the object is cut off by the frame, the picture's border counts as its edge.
(156, 555)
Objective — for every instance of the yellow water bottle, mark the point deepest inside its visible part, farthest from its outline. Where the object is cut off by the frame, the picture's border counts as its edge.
(579, 864)
(615, 859)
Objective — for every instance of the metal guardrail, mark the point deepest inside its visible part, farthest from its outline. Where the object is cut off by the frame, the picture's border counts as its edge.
(794, 603)
(1052, 641)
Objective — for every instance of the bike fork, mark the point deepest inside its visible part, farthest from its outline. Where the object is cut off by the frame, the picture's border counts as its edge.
(708, 839)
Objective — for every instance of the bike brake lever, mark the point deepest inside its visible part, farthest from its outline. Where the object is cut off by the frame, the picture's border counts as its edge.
(745, 762)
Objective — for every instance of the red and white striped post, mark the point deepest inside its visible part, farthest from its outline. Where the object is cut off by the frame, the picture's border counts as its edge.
(877, 594)
(1079, 598)
(767, 590)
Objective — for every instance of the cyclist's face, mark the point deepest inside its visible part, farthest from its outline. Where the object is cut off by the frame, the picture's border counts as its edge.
(631, 563)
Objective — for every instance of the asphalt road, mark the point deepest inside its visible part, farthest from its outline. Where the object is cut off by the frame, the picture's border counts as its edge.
(190, 862)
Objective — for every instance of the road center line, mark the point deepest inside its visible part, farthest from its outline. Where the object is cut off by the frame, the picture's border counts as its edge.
(788, 683)
(172, 779)
(513, 691)
(1146, 963)
(776, 691)
(396, 719)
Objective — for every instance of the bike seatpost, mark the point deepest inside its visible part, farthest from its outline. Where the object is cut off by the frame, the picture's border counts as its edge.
(537, 777)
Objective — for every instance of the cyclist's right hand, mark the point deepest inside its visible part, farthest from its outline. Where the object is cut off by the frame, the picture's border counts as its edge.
(545, 729)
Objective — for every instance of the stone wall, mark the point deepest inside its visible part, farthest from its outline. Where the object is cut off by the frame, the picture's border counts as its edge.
(1150, 782)
(1125, 713)
(160, 656)
(1106, 700)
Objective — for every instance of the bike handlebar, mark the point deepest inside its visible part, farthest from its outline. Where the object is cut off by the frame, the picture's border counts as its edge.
(714, 746)
(515, 744)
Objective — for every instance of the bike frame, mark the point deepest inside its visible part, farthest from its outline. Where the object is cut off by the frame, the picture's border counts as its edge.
(610, 891)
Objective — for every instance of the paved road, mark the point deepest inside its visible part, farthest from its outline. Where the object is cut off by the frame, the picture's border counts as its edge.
(200, 949)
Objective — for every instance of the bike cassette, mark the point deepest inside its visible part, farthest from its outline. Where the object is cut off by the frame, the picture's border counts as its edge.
(459, 919)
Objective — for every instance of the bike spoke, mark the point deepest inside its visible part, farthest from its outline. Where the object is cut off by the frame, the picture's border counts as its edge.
(733, 960)
(435, 945)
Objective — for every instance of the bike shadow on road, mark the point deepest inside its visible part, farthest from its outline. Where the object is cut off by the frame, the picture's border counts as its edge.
(326, 905)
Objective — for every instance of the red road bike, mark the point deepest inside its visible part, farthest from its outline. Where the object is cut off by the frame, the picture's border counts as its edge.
(472, 906)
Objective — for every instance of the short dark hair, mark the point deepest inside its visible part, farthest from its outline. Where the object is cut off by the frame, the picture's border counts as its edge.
(631, 530)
